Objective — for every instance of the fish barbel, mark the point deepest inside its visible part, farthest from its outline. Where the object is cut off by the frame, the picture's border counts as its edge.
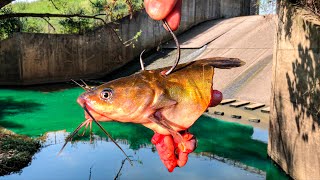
(165, 104)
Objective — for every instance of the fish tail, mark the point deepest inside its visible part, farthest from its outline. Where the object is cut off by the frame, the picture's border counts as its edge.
(222, 62)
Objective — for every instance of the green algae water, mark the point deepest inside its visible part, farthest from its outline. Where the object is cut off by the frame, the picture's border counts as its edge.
(225, 150)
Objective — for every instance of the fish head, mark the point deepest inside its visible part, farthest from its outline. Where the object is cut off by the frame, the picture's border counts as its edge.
(117, 100)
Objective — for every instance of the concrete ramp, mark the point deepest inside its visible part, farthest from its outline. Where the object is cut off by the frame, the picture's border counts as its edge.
(205, 33)
(252, 42)
(249, 38)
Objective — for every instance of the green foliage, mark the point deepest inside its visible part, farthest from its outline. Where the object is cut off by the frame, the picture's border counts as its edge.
(9, 26)
(98, 6)
(115, 9)
(110, 10)
(75, 25)
(134, 39)
(32, 25)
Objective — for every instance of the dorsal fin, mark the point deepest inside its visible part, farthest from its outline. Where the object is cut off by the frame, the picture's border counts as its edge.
(221, 62)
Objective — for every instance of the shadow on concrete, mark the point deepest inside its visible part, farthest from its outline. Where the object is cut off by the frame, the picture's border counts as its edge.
(283, 142)
(10, 107)
(134, 66)
(304, 86)
(304, 91)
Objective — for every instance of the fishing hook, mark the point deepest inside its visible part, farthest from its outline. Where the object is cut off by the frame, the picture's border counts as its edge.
(141, 61)
(178, 48)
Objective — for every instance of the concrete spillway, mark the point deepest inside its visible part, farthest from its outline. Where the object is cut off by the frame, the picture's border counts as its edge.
(249, 38)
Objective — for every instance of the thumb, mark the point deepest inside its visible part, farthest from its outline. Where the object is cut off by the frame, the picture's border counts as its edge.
(216, 98)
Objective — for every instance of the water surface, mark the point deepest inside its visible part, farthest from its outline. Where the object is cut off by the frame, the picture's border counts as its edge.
(225, 150)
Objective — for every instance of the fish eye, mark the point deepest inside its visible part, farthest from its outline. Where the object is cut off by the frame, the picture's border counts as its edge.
(106, 94)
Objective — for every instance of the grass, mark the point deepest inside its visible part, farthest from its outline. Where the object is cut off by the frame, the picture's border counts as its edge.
(15, 152)
(59, 25)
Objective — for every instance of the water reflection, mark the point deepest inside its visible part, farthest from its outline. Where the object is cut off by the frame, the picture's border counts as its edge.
(225, 151)
(103, 160)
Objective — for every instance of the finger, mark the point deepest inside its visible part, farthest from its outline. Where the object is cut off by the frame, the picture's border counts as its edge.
(182, 159)
(174, 18)
(165, 147)
(189, 145)
(159, 9)
(216, 98)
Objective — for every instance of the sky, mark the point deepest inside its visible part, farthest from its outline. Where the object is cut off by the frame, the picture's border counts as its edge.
(267, 7)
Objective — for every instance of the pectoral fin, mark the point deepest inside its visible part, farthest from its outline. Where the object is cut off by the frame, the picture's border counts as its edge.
(162, 123)
(163, 101)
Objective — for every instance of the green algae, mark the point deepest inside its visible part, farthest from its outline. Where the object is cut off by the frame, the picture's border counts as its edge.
(33, 113)
(234, 141)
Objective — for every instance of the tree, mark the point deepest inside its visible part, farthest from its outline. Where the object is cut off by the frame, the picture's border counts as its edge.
(68, 19)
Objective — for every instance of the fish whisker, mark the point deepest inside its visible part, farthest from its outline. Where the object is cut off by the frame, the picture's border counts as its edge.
(86, 127)
(72, 135)
(86, 85)
(85, 88)
(90, 132)
(178, 48)
(87, 111)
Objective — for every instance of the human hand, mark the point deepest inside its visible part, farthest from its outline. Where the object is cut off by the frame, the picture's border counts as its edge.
(174, 154)
(168, 10)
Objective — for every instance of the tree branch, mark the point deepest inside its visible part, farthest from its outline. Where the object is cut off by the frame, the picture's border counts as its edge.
(41, 15)
(55, 6)
(48, 15)
(5, 2)
(49, 23)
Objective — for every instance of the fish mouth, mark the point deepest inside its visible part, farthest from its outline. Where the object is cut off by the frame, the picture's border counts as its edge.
(98, 116)
(95, 114)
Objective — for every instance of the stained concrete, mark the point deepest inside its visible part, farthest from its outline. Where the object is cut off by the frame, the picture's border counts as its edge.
(294, 133)
(252, 41)
(251, 82)
(249, 38)
(41, 58)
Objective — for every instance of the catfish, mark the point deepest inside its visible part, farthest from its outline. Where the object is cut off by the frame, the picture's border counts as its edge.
(164, 104)
(167, 103)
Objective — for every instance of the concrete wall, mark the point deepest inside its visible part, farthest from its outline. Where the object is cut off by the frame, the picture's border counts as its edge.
(9, 61)
(40, 58)
(294, 139)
